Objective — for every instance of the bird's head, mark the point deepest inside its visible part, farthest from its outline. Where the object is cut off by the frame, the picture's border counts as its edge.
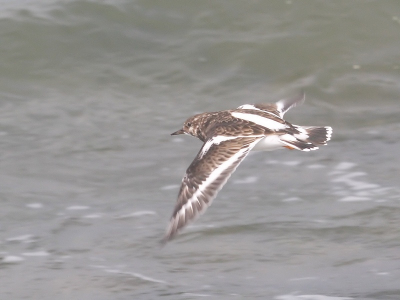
(191, 126)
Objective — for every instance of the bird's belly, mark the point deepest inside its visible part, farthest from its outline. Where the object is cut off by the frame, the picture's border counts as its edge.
(269, 143)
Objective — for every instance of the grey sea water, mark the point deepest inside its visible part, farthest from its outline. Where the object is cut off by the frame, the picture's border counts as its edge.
(91, 90)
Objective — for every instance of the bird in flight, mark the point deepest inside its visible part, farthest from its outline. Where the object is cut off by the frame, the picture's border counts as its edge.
(228, 137)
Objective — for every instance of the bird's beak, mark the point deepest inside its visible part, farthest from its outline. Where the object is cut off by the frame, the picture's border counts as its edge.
(180, 131)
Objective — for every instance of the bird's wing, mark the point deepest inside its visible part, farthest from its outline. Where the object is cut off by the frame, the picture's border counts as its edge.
(207, 174)
(285, 104)
(279, 108)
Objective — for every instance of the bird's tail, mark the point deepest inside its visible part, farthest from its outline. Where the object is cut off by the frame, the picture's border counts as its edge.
(308, 137)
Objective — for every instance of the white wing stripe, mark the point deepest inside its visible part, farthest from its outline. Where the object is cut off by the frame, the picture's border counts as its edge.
(248, 106)
(214, 141)
(265, 122)
(213, 176)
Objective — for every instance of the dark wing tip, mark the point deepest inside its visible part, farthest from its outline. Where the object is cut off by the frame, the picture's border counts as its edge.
(285, 104)
(164, 240)
(171, 232)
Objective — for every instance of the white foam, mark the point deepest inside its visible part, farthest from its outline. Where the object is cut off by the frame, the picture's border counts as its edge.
(345, 166)
(316, 166)
(382, 273)
(310, 297)
(303, 278)
(34, 205)
(291, 199)
(272, 162)
(170, 187)
(355, 184)
(320, 221)
(354, 189)
(284, 163)
(21, 238)
(93, 216)
(137, 214)
(291, 163)
(348, 176)
(373, 132)
(137, 275)
(359, 185)
(382, 190)
(196, 295)
(11, 259)
(354, 199)
(77, 207)
(246, 180)
(37, 253)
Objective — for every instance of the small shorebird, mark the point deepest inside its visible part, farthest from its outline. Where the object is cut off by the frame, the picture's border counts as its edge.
(228, 137)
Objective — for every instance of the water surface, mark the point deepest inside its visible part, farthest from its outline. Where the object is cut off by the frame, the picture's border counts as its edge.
(91, 90)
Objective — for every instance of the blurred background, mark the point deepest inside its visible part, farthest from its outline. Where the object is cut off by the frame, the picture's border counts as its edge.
(91, 90)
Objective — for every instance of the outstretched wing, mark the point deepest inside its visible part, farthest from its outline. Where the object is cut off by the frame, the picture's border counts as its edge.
(207, 174)
(279, 108)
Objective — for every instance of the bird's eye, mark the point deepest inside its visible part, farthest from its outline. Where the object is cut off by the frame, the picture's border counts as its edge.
(189, 124)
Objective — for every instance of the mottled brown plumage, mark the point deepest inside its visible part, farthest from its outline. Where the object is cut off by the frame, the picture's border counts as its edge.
(228, 137)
